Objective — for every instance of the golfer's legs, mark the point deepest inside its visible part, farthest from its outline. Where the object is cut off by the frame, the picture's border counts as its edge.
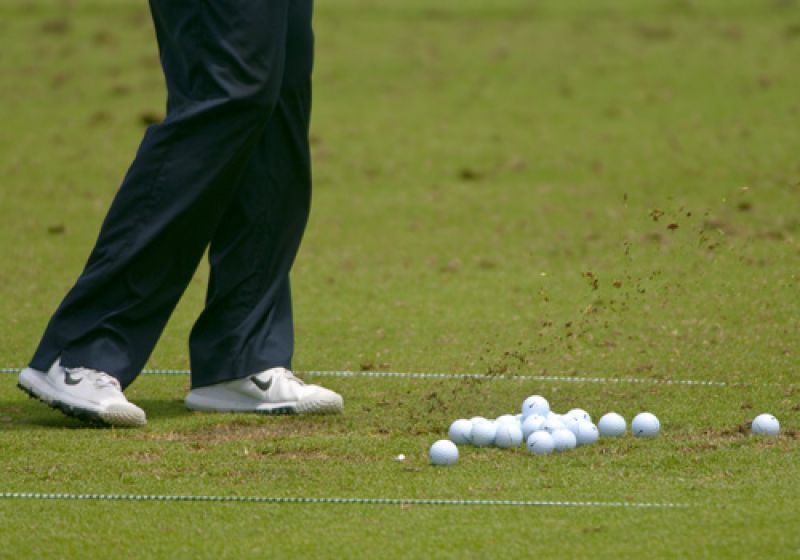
(223, 62)
(247, 323)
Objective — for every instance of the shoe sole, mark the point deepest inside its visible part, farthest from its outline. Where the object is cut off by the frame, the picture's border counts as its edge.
(206, 404)
(121, 416)
(324, 406)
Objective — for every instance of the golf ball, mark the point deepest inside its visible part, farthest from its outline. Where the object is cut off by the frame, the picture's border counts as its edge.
(460, 432)
(766, 425)
(563, 439)
(535, 404)
(506, 418)
(532, 423)
(540, 443)
(552, 424)
(587, 433)
(507, 435)
(571, 423)
(443, 453)
(645, 425)
(483, 433)
(579, 414)
(612, 425)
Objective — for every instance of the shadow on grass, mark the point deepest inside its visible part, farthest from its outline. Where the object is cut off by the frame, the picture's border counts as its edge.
(32, 414)
(162, 408)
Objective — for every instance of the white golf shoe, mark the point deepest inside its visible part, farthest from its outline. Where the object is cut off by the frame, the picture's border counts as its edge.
(274, 391)
(84, 393)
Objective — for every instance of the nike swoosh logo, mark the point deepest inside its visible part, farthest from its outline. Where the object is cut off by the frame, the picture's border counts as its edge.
(69, 380)
(264, 386)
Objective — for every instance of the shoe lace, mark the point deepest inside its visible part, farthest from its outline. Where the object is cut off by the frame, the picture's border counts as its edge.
(99, 378)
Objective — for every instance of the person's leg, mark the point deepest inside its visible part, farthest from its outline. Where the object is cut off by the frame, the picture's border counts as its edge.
(242, 344)
(246, 326)
(223, 61)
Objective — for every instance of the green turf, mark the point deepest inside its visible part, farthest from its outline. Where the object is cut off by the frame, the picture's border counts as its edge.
(605, 188)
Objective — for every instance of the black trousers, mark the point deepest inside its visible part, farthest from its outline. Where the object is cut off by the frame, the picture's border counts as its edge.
(229, 167)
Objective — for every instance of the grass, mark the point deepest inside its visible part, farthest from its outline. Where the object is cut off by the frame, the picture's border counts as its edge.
(557, 188)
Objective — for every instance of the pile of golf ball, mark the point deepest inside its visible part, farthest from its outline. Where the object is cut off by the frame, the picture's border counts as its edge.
(541, 430)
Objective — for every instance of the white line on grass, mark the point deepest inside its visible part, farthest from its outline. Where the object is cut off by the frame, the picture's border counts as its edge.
(328, 500)
(521, 377)
(483, 376)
